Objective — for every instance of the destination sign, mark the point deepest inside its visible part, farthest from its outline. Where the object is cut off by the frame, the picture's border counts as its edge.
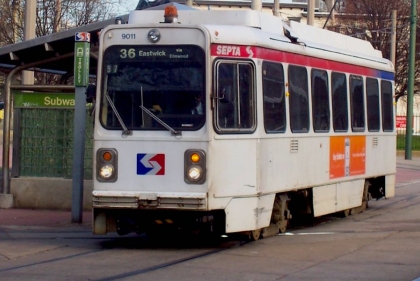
(154, 53)
(133, 53)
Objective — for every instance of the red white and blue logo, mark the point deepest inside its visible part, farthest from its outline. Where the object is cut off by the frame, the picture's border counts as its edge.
(82, 37)
(150, 164)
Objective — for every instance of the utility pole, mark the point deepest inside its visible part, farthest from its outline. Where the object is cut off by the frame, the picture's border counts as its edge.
(256, 5)
(410, 86)
(29, 33)
(57, 18)
(15, 13)
(311, 12)
(394, 46)
(81, 82)
(276, 8)
(393, 36)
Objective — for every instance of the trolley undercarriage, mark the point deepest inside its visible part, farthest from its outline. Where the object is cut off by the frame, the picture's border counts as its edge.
(289, 209)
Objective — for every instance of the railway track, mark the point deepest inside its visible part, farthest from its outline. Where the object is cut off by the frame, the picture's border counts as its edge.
(161, 266)
(146, 256)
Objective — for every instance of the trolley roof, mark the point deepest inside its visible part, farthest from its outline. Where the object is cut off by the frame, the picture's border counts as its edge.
(305, 35)
(50, 46)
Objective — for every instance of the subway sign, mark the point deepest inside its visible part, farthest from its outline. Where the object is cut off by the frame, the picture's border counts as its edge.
(43, 100)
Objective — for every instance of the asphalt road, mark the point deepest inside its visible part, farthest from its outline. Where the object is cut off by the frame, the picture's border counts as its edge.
(382, 243)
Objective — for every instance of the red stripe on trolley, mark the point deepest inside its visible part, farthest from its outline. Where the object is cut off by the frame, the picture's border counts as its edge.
(236, 51)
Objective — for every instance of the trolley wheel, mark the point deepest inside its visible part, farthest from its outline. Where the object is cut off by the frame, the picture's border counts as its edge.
(282, 226)
(254, 235)
(345, 213)
(366, 195)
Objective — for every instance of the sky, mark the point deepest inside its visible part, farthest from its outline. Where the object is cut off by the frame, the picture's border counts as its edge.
(126, 6)
(130, 5)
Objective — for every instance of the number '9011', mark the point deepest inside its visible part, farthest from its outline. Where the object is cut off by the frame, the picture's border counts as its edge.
(128, 36)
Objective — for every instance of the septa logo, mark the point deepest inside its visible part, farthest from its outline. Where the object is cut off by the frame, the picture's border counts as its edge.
(150, 164)
(82, 36)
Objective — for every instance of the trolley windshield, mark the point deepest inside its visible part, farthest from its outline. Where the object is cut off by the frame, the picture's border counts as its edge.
(142, 85)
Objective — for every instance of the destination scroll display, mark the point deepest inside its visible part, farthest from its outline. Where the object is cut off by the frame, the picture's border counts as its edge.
(154, 53)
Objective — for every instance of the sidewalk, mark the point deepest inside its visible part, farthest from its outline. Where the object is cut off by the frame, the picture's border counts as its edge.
(43, 218)
(414, 161)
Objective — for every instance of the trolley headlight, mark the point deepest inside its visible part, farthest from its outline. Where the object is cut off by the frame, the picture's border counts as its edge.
(106, 171)
(106, 165)
(195, 173)
(195, 166)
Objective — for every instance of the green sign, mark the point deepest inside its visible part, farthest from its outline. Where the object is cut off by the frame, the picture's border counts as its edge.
(43, 100)
(81, 64)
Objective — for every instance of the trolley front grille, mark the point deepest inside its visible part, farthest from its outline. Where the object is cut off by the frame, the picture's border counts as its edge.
(155, 203)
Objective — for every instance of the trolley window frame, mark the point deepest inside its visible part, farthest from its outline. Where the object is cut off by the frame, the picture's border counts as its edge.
(372, 105)
(339, 101)
(234, 98)
(357, 104)
(387, 101)
(298, 98)
(320, 94)
(274, 97)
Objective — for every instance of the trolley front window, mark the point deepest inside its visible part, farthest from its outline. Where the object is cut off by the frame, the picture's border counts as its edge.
(140, 83)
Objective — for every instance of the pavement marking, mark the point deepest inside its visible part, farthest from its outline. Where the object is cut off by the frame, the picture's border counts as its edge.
(407, 183)
(308, 233)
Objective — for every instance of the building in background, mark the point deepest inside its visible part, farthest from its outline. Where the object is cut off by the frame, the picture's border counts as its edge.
(295, 10)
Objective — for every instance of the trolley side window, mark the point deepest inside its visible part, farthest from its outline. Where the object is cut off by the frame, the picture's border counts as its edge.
(357, 104)
(372, 101)
(298, 99)
(273, 96)
(320, 101)
(235, 102)
(339, 102)
(387, 106)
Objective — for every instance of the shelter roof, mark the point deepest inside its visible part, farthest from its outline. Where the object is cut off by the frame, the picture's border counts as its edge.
(49, 46)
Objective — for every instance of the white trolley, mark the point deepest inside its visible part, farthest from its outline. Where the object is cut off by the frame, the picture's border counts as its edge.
(234, 121)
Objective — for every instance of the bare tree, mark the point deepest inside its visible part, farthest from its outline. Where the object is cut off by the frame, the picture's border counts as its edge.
(371, 20)
(10, 24)
(52, 16)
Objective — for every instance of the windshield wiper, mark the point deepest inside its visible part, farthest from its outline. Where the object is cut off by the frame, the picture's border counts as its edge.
(126, 131)
(173, 131)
